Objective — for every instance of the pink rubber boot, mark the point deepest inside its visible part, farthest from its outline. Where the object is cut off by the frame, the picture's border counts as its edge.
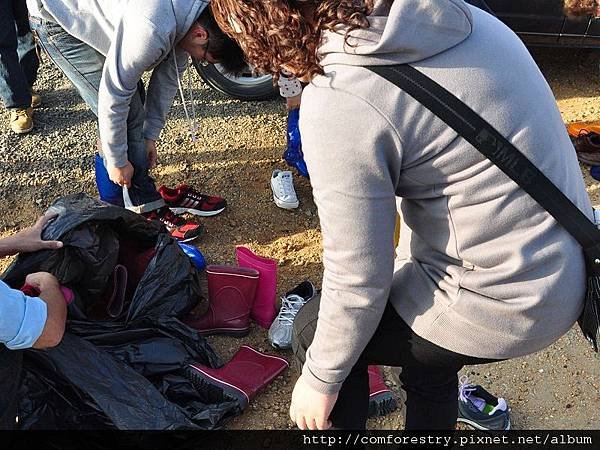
(263, 311)
(240, 379)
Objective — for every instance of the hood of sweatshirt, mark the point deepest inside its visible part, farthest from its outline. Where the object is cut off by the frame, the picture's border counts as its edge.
(400, 32)
(186, 13)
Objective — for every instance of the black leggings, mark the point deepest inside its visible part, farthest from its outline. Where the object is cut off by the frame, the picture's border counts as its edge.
(429, 372)
(10, 377)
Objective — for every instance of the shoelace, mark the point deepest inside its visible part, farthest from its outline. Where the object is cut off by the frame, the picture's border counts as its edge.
(286, 184)
(169, 219)
(20, 112)
(290, 306)
(196, 196)
(465, 389)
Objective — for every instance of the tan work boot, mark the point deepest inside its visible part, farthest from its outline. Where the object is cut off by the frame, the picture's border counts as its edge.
(21, 120)
(36, 99)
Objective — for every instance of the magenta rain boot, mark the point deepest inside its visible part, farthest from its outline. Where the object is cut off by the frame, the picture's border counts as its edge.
(381, 398)
(231, 292)
(240, 379)
(263, 311)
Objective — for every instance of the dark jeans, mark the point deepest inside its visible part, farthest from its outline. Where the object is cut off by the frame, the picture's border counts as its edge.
(429, 372)
(83, 65)
(10, 375)
(18, 57)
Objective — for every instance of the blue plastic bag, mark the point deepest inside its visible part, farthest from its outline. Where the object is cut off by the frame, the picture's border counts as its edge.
(293, 154)
(194, 254)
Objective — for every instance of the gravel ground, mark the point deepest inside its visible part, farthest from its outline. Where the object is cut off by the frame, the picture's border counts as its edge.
(240, 144)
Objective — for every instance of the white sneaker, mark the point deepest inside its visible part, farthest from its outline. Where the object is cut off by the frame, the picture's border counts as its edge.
(284, 193)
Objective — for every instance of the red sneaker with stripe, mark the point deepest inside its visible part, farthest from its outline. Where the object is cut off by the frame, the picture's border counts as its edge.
(181, 229)
(184, 199)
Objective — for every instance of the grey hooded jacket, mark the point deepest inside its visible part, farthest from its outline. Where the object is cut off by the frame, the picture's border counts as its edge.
(481, 268)
(135, 36)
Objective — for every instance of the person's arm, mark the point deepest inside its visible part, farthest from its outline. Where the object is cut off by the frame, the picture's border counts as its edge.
(29, 239)
(37, 322)
(354, 158)
(162, 90)
(135, 48)
(56, 306)
(290, 88)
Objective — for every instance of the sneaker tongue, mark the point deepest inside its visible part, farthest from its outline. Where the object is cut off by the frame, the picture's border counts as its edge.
(479, 403)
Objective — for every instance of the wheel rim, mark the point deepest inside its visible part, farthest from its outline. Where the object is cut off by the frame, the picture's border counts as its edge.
(246, 78)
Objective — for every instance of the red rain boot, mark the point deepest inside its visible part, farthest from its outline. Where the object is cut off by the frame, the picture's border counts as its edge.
(263, 311)
(240, 379)
(231, 292)
(381, 398)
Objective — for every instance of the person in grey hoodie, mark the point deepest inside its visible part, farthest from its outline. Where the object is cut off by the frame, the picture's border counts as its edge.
(104, 47)
(482, 272)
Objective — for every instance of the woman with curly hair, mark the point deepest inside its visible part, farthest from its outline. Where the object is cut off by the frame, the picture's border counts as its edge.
(482, 272)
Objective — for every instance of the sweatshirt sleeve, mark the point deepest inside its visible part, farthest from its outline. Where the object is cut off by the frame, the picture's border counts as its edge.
(354, 157)
(130, 55)
(161, 92)
(22, 318)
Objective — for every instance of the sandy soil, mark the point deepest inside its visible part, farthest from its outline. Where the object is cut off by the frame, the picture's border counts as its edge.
(240, 144)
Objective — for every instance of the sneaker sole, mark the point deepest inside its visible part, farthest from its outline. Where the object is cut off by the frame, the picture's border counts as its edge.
(196, 212)
(188, 239)
(280, 347)
(22, 131)
(285, 205)
(477, 426)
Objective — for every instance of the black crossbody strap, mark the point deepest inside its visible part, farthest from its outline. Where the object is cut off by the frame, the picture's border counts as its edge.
(484, 137)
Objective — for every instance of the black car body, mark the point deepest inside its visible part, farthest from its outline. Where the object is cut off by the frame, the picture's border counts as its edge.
(543, 23)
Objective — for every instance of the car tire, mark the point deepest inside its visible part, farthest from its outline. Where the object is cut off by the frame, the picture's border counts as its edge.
(247, 86)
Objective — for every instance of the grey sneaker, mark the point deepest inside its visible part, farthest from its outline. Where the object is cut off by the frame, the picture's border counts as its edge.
(480, 409)
(280, 332)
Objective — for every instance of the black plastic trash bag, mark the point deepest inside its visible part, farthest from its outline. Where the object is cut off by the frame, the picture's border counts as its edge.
(122, 371)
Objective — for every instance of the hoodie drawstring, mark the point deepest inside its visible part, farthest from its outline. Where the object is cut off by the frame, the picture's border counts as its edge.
(192, 124)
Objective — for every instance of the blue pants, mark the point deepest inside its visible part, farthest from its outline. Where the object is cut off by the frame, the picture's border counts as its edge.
(83, 65)
(18, 58)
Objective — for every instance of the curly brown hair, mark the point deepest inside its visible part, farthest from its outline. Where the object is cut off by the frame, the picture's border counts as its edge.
(278, 33)
(575, 8)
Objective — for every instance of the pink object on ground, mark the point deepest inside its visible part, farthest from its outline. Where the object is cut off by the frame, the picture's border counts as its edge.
(240, 379)
(263, 311)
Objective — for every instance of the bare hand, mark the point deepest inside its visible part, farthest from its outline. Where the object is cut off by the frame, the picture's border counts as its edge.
(29, 239)
(121, 175)
(152, 153)
(310, 409)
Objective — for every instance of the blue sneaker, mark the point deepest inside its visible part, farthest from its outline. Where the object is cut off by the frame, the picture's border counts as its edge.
(480, 409)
